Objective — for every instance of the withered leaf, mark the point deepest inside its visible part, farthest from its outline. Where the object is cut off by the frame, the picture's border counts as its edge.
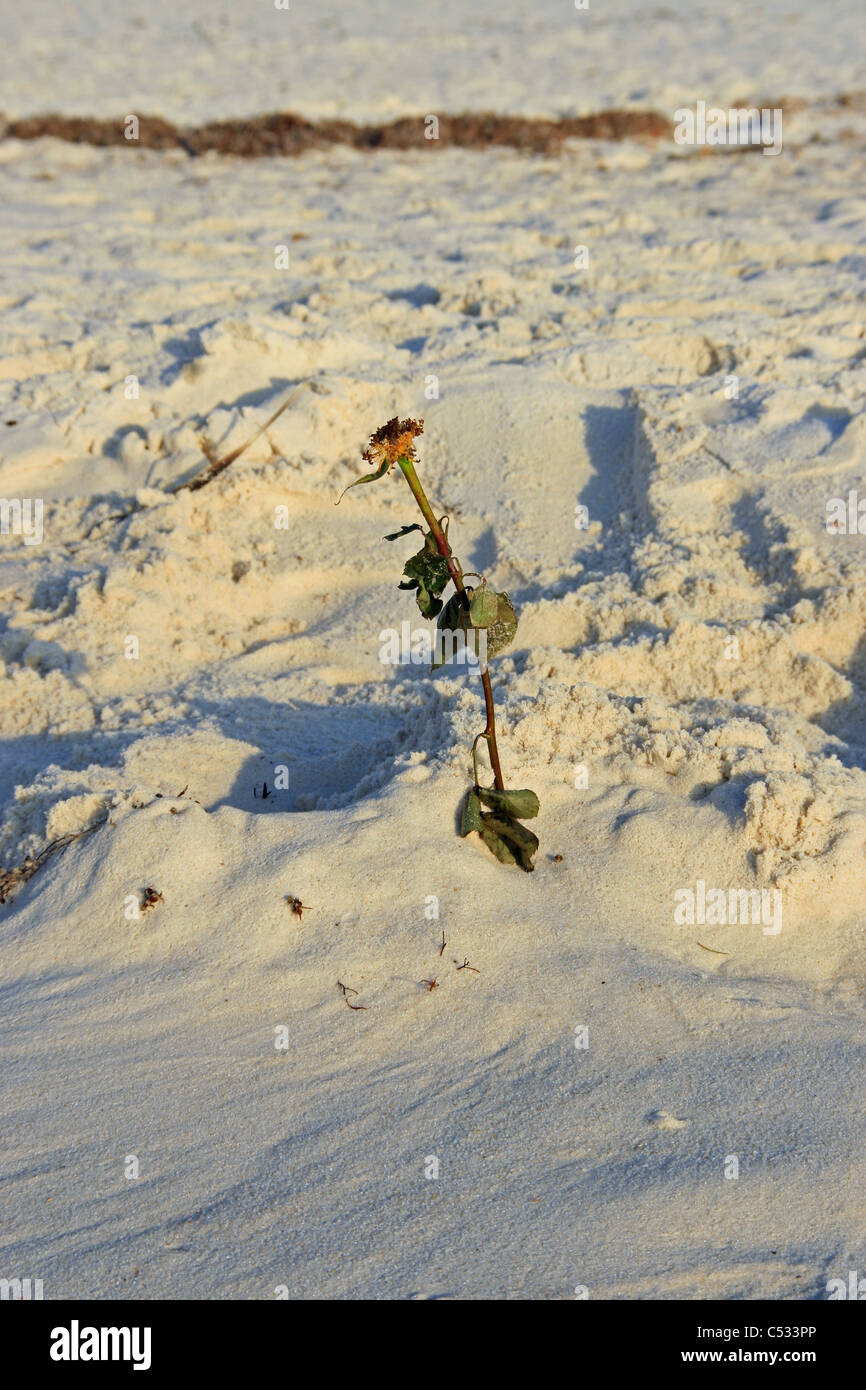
(510, 841)
(457, 617)
(523, 805)
(428, 573)
(501, 633)
(453, 618)
(367, 478)
(471, 817)
(484, 607)
(404, 531)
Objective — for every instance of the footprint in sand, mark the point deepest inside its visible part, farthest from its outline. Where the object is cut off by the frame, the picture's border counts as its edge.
(665, 1119)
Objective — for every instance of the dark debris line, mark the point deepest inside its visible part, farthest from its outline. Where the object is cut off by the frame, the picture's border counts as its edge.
(284, 133)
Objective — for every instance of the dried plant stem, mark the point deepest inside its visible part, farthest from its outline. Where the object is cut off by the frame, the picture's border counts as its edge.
(408, 470)
(490, 732)
(12, 879)
(217, 466)
(212, 469)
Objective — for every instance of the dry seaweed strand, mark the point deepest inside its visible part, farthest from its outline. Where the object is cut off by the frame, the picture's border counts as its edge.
(286, 133)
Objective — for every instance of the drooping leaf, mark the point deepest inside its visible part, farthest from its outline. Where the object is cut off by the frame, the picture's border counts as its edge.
(510, 841)
(428, 603)
(471, 818)
(484, 607)
(454, 618)
(455, 613)
(501, 633)
(511, 829)
(496, 844)
(523, 805)
(457, 617)
(367, 478)
(428, 573)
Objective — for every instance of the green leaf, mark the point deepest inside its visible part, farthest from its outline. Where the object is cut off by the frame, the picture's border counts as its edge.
(484, 608)
(496, 844)
(471, 817)
(511, 829)
(431, 569)
(428, 572)
(510, 841)
(453, 618)
(501, 633)
(428, 603)
(367, 478)
(456, 617)
(523, 805)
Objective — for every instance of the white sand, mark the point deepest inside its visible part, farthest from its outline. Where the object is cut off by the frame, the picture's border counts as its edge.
(738, 763)
(214, 59)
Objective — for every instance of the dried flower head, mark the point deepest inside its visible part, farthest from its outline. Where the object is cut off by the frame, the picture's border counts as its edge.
(393, 441)
(387, 446)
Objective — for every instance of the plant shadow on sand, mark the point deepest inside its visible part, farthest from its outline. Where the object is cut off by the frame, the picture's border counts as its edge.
(328, 752)
(609, 442)
(602, 486)
(847, 718)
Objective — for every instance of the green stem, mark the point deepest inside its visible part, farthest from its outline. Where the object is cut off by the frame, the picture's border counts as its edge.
(408, 470)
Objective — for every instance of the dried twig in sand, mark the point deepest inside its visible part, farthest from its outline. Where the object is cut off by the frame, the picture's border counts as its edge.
(216, 466)
(212, 470)
(12, 879)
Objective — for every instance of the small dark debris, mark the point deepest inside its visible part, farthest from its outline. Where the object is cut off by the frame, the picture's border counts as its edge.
(346, 990)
